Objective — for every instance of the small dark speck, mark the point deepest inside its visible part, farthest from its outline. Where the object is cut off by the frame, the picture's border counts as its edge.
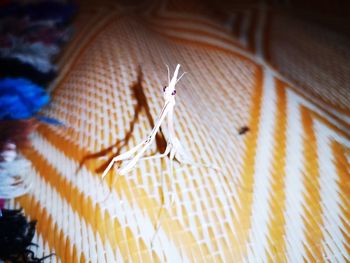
(243, 130)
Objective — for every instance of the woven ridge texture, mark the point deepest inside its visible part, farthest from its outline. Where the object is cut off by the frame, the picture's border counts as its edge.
(284, 191)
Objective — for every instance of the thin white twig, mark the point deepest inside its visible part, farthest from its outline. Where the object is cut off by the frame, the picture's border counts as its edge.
(174, 148)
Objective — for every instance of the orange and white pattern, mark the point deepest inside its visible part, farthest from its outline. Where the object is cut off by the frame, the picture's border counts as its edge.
(284, 191)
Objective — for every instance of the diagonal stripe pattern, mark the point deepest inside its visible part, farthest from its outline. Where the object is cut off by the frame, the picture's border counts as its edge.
(283, 191)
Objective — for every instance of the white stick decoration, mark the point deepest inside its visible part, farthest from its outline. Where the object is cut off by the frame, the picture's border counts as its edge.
(174, 148)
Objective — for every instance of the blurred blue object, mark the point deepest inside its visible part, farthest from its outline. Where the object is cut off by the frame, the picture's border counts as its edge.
(49, 120)
(20, 98)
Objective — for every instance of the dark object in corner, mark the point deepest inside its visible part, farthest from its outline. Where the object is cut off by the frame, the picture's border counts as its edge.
(243, 130)
(11, 67)
(16, 235)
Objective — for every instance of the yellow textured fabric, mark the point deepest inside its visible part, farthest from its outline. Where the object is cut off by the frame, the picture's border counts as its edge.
(284, 191)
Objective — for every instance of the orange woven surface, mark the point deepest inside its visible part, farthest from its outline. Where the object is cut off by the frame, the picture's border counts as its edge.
(283, 193)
